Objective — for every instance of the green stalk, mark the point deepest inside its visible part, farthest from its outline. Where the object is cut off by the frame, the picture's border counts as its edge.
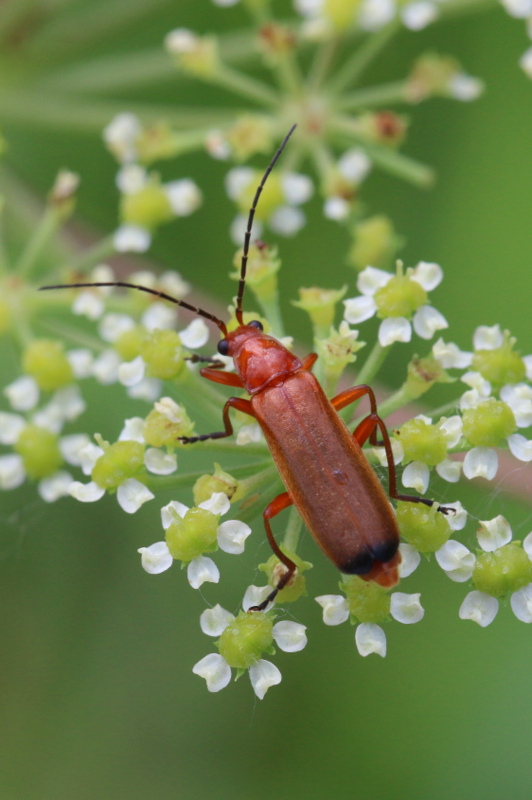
(373, 363)
(293, 530)
(353, 68)
(250, 88)
(321, 64)
(37, 245)
(385, 95)
(101, 251)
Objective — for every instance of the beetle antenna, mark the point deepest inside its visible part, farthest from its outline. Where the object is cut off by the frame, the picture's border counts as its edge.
(155, 292)
(247, 237)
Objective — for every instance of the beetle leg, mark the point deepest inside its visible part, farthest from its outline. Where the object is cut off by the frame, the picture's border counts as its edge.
(367, 429)
(277, 505)
(309, 361)
(240, 403)
(226, 378)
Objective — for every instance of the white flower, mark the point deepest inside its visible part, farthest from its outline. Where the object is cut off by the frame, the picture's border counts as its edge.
(465, 87)
(410, 560)
(481, 462)
(87, 456)
(88, 304)
(519, 397)
(518, 8)
(255, 595)
(520, 447)
(456, 560)
(132, 494)
(457, 520)
(521, 602)
(419, 14)
(416, 476)
(336, 208)
(12, 472)
(121, 136)
(105, 367)
(494, 533)
(426, 320)
(238, 228)
(297, 188)
(231, 536)
(202, 570)
(23, 393)
(406, 608)
(449, 470)
(370, 638)
(159, 462)
(81, 361)
(527, 545)
(11, 426)
(86, 492)
(184, 196)
(215, 620)
(335, 608)
(525, 62)
(287, 220)
(218, 504)
(180, 40)
(159, 316)
(148, 389)
(290, 636)
(55, 486)
(397, 452)
(249, 434)
(262, 675)
(131, 372)
(374, 14)
(452, 429)
(450, 356)
(195, 335)
(215, 670)
(131, 239)
(156, 558)
(354, 165)
(488, 338)
(479, 607)
(113, 325)
(132, 430)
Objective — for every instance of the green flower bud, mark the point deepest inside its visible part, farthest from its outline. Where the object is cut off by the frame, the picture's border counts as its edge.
(46, 361)
(422, 374)
(220, 481)
(422, 442)
(489, 423)
(501, 571)
(192, 535)
(341, 13)
(501, 365)
(246, 639)
(119, 462)
(197, 55)
(5, 316)
(424, 528)
(261, 277)
(271, 197)
(250, 134)
(62, 197)
(157, 143)
(320, 304)
(163, 354)
(39, 450)
(401, 297)
(165, 424)
(375, 242)
(368, 601)
(297, 585)
(129, 344)
(338, 350)
(148, 208)
(431, 76)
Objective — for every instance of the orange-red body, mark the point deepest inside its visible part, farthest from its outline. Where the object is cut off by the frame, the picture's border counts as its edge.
(321, 463)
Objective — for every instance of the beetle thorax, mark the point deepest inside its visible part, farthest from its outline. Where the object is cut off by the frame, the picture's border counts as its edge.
(260, 359)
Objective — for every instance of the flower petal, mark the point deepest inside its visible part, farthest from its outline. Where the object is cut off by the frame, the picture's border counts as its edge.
(410, 560)
(456, 560)
(359, 309)
(86, 492)
(370, 638)
(488, 338)
(479, 607)
(416, 476)
(335, 608)
(394, 329)
(194, 335)
(132, 372)
(215, 670)
(371, 279)
(290, 636)
(521, 603)
(12, 472)
(481, 462)
(255, 595)
(262, 675)
(55, 486)
(406, 608)
(215, 620)
(156, 558)
(232, 535)
(428, 274)
(520, 447)
(494, 533)
(132, 494)
(23, 393)
(427, 320)
(218, 504)
(202, 570)
(159, 462)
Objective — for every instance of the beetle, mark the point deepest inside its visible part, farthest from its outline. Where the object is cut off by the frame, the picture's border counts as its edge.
(325, 472)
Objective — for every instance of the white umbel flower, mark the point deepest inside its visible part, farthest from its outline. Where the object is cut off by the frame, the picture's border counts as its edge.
(202, 570)
(132, 372)
(215, 620)
(23, 393)
(481, 462)
(456, 561)
(132, 494)
(410, 560)
(494, 533)
(215, 670)
(86, 492)
(406, 608)
(231, 536)
(521, 602)
(369, 639)
(159, 462)
(335, 608)
(479, 607)
(156, 558)
(290, 636)
(262, 675)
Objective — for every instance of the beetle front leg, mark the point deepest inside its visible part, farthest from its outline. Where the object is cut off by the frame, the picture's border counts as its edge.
(240, 403)
(277, 505)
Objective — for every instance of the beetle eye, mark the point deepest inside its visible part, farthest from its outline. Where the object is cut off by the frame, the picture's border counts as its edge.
(255, 323)
(223, 347)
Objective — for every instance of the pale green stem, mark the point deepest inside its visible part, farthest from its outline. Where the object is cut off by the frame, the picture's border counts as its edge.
(386, 158)
(293, 530)
(397, 400)
(322, 63)
(73, 335)
(272, 312)
(206, 395)
(361, 58)
(35, 249)
(101, 251)
(289, 76)
(452, 406)
(385, 95)
(242, 84)
(373, 363)
(186, 478)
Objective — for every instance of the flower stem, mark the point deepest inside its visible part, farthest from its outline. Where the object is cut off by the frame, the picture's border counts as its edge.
(38, 243)
(373, 363)
(242, 84)
(293, 530)
(361, 58)
(385, 95)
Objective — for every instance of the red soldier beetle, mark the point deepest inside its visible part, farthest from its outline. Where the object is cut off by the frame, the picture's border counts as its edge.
(325, 472)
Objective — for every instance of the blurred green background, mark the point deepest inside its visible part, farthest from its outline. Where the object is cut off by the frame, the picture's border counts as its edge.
(97, 695)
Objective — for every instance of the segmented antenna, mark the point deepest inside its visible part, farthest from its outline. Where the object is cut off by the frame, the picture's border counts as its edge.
(247, 237)
(155, 292)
